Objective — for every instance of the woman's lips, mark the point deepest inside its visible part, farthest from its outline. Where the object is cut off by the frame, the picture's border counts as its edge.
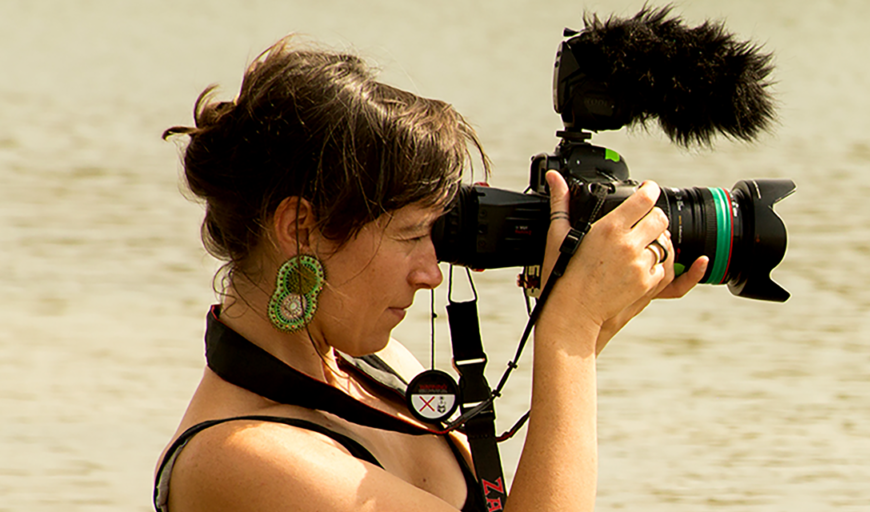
(399, 312)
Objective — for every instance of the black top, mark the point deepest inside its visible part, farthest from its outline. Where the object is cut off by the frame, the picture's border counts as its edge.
(242, 363)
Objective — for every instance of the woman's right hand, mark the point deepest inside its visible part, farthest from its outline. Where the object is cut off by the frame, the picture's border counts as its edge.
(613, 268)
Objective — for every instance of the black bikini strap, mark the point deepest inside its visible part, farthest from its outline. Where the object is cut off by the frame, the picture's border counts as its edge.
(355, 448)
(240, 362)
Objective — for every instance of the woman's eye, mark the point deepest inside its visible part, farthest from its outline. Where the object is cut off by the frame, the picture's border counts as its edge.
(417, 238)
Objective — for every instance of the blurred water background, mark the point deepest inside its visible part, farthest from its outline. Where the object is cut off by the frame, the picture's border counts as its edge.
(707, 403)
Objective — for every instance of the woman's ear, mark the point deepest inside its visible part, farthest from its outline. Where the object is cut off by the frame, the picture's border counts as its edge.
(292, 225)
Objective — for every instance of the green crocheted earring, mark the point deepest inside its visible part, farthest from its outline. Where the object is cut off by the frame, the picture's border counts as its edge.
(300, 280)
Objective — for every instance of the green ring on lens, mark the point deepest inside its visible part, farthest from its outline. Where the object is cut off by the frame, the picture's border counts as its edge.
(723, 236)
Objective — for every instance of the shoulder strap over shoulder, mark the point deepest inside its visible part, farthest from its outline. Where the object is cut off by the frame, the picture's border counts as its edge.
(240, 362)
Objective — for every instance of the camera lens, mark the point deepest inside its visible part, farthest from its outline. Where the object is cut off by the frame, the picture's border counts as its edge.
(702, 222)
(737, 229)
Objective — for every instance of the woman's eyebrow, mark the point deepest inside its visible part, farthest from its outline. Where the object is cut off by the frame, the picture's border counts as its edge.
(417, 227)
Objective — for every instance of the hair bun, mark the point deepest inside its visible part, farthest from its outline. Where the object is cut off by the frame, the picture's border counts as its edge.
(207, 114)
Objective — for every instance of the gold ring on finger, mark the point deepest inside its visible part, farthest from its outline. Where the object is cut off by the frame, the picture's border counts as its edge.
(660, 251)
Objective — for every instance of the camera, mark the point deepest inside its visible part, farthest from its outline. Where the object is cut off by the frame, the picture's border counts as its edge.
(605, 78)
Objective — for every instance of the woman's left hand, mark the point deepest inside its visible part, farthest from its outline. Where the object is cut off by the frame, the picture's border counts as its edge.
(669, 288)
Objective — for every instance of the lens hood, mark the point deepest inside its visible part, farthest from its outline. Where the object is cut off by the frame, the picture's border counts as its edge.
(766, 237)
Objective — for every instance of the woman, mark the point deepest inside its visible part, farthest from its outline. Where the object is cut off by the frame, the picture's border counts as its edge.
(321, 187)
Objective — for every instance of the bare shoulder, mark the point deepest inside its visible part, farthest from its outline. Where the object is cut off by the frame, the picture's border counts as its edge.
(250, 465)
(400, 359)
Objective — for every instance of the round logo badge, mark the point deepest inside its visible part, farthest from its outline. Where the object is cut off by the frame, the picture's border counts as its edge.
(432, 396)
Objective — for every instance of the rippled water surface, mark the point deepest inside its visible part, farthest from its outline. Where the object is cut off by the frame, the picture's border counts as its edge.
(711, 402)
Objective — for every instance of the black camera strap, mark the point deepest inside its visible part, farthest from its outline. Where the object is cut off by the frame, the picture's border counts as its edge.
(242, 363)
(476, 396)
(238, 361)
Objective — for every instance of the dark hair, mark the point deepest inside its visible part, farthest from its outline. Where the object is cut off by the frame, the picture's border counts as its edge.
(316, 124)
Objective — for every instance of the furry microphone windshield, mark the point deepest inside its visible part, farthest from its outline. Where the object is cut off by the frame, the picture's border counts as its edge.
(698, 82)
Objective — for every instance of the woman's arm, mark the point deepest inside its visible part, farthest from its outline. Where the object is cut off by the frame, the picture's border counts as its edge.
(611, 278)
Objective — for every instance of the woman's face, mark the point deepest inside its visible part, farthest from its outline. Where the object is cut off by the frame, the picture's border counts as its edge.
(372, 279)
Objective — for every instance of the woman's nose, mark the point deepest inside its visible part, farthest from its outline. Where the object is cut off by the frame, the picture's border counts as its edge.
(427, 275)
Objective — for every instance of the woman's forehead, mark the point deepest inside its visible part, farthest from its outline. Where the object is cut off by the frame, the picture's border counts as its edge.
(412, 217)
